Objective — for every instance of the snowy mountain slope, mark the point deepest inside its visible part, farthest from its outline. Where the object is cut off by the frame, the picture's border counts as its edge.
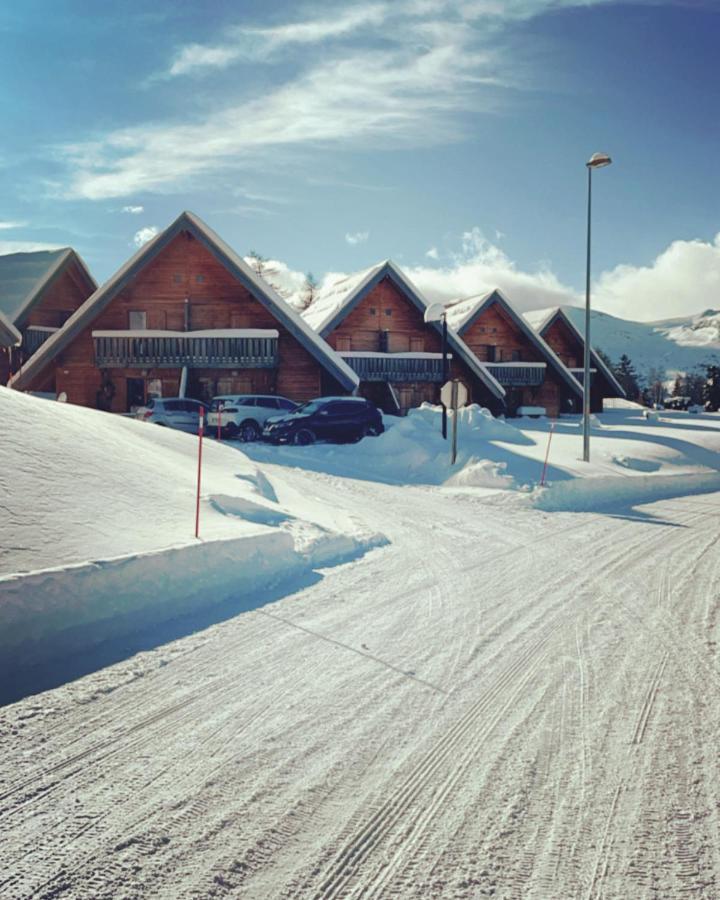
(673, 344)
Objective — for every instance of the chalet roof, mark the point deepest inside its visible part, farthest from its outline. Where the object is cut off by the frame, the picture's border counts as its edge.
(237, 267)
(542, 320)
(463, 314)
(339, 298)
(9, 335)
(24, 277)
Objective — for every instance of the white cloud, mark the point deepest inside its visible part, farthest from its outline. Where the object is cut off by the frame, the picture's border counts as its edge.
(26, 247)
(432, 253)
(144, 235)
(133, 210)
(684, 278)
(8, 226)
(357, 237)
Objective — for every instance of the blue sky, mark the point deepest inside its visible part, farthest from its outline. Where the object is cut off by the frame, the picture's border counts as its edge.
(450, 135)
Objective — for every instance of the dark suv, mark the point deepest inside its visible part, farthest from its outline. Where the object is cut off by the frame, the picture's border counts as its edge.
(327, 419)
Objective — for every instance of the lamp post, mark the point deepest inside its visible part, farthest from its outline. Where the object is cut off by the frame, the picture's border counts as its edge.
(436, 313)
(596, 161)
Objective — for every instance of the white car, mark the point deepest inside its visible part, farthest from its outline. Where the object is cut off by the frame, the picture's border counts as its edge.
(242, 416)
(172, 412)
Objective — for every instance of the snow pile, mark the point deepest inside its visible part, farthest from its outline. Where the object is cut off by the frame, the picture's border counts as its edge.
(99, 516)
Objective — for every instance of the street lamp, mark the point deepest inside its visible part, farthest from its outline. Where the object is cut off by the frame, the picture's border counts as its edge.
(596, 161)
(436, 312)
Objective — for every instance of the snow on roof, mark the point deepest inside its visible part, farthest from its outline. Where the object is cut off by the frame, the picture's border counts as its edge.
(461, 315)
(234, 263)
(542, 319)
(334, 296)
(9, 335)
(24, 275)
(342, 296)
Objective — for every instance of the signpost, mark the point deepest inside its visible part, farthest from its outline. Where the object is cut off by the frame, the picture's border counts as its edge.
(453, 396)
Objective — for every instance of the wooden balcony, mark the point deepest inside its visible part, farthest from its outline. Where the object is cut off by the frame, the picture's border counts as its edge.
(395, 367)
(34, 336)
(220, 349)
(518, 374)
(580, 374)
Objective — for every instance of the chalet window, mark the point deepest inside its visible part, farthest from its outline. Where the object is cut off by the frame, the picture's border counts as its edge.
(373, 311)
(137, 320)
(388, 312)
(177, 278)
(199, 279)
(384, 341)
(489, 353)
(515, 355)
(417, 344)
(344, 343)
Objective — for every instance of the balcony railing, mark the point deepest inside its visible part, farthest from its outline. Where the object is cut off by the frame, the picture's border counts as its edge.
(218, 349)
(35, 336)
(395, 367)
(580, 374)
(517, 374)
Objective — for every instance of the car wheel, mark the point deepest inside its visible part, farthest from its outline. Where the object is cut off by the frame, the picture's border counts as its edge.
(374, 430)
(231, 430)
(303, 437)
(249, 431)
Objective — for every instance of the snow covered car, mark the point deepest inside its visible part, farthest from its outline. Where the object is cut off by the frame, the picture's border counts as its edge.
(172, 412)
(340, 419)
(244, 415)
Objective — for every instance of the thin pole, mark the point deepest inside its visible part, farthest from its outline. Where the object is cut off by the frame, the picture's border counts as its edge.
(586, 373)
(199, 476)
(444, 372)
(453, 455)
(547, 454)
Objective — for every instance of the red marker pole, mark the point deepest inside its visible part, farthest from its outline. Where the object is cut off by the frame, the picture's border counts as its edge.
(547, 453)
(197, 499)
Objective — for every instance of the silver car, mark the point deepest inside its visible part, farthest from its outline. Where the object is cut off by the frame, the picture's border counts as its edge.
(242, 416)
(173, 412)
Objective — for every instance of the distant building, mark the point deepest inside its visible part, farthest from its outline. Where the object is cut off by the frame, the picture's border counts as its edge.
(528, 369)
(38, 293)
(558, 330)
(374, 320)
(184, 312)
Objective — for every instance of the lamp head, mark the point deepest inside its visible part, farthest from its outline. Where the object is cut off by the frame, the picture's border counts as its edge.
(434, 312)
(598, 160)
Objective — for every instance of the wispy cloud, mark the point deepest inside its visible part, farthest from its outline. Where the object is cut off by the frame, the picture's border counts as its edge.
(8, 226)
(357, 237)
(143, 235)
(403, 73)
(432, 253)
(26, 246)
(133, 210)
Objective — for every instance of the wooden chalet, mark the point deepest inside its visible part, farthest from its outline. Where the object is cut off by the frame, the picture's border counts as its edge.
(184, 316)
(374, 321)
(560, 332)
(38, 293)
(515, 355)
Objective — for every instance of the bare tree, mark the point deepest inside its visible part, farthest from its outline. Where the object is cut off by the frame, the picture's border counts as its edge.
(309, 290)
(257, 261)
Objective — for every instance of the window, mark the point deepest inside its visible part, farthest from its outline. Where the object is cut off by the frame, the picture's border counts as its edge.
(177, 278)
(388, 312)
(489, 352)
(137, 320)
(199, 279)
(373, 311)
(515, 355)
(286, 404)
(417, 344)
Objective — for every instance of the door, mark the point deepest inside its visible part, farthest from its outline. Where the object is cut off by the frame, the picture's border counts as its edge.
(135, 394)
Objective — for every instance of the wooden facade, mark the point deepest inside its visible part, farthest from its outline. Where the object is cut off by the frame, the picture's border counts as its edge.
(382, 335)
(182, 306)
(44, 313)
(559, 332)
(526, 367)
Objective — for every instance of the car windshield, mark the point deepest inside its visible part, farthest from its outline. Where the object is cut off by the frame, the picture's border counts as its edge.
(307, 408)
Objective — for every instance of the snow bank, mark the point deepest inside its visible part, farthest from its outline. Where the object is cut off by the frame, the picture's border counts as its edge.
(98, 525)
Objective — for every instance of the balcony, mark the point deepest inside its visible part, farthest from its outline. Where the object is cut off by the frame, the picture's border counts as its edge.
(231, 348)
(395, 367)
(580, 374)
(518, 374)
(35, 336)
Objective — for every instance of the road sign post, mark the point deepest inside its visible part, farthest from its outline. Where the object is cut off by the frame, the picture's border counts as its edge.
(454, 395)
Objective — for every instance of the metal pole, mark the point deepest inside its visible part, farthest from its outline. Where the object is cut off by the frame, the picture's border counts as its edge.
(444, 372)
(454, 404)
(586, 372)
(201, 423)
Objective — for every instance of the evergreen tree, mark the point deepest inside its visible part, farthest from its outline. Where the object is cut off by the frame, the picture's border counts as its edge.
(678, 387)
(627, 377)
(309, 290)
(711, 391)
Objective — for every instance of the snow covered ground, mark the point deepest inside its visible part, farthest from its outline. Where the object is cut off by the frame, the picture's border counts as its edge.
(501, 700)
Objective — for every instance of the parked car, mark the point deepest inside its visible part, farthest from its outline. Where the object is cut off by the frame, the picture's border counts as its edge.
(244, 415)
(173, 412)
(328, 418)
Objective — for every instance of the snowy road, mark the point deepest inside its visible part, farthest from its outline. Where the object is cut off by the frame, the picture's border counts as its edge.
(501, 703)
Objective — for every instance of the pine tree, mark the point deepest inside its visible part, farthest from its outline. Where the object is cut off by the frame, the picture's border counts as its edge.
(627, 376)
(711, 391)
(678, 387)
(309, 290)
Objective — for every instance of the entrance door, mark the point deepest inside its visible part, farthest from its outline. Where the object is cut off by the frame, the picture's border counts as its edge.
(135, 393)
